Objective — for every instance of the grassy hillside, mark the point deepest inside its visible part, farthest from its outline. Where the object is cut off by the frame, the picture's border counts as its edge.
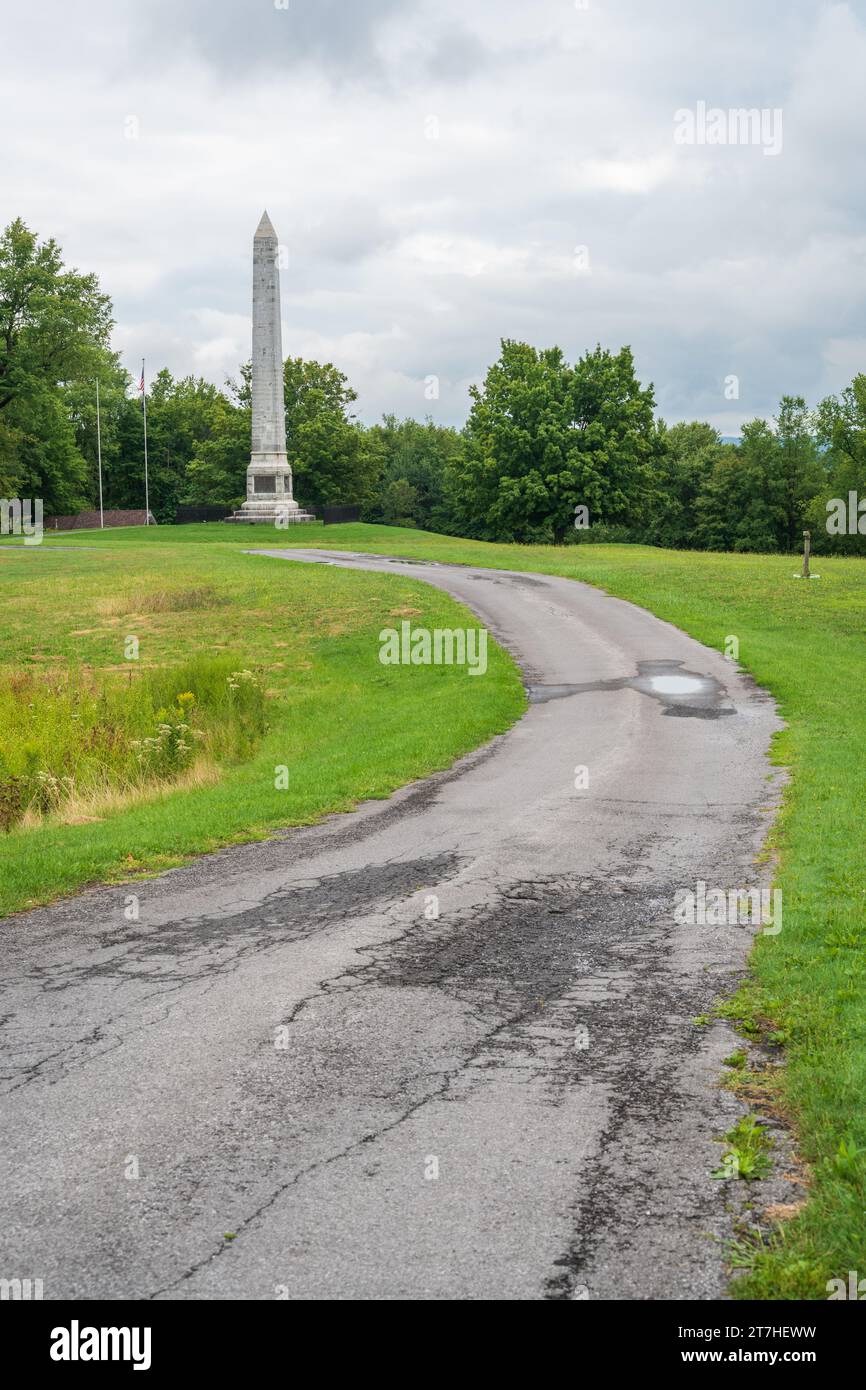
(316, 725)
(804, 641)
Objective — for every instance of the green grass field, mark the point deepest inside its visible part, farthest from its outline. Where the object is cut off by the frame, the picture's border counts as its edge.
(803, 641)
(342, 725)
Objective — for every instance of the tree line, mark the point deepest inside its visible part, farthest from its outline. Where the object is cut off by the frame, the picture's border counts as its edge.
(548, 443)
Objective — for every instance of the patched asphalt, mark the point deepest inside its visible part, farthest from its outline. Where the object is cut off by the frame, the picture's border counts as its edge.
(509, 1099)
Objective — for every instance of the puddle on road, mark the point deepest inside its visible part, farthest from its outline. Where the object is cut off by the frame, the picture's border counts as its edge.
(676, 685)
(685, 694)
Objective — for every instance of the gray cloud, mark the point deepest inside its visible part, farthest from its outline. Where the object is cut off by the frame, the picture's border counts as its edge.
(432, 169)
(239, 38)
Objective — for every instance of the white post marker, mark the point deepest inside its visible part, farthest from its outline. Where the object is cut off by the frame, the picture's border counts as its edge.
(807, 551)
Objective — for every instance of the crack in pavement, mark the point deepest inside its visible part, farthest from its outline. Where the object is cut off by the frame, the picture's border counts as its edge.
(481, 975)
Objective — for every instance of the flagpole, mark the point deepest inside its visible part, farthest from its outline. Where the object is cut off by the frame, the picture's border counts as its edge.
(144, 409)
(99, 457)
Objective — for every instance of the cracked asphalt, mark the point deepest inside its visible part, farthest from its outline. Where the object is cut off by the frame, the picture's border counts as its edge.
(507, 1100)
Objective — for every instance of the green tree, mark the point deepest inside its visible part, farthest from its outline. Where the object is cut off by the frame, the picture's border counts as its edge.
(618, 440)
(399, 503)
(840, 427)
(11, 464)
(182, 415)
(799, 469)
(217, 471)
(117, 415)
(47, 463)
(742, 503)
(689, 452)
(334, 459)
(190, 424)
(543, 438)
(54, 324)
(415, 458)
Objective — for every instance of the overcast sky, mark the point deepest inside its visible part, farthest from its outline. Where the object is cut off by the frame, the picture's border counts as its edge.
(445, 173)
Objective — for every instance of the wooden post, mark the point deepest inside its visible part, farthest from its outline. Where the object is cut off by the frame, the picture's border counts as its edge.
(807, 550)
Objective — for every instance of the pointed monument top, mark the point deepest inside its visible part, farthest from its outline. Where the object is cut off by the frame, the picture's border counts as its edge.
(265, 228)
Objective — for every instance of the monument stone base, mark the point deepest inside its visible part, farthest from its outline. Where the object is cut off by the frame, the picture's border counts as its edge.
(280, 514)
(269, 495)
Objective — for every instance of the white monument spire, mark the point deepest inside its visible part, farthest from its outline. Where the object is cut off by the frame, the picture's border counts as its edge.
(269, 477)
(266, 227)
(269, 417)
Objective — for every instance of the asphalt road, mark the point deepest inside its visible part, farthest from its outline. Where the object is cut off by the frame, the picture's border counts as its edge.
(510, 1100)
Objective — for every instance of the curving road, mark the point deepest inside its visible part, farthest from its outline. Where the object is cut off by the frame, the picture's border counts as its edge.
(510, 1100)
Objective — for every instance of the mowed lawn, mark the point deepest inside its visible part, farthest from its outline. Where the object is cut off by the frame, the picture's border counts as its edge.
(803, 641)
(342, 727)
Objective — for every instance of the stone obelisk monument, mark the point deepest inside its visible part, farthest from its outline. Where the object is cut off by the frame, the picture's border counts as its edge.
(269, 477)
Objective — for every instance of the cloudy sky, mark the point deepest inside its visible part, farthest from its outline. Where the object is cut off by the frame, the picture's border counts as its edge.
(443, 174)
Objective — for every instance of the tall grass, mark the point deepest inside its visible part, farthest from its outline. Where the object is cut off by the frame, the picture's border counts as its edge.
(71, 737)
